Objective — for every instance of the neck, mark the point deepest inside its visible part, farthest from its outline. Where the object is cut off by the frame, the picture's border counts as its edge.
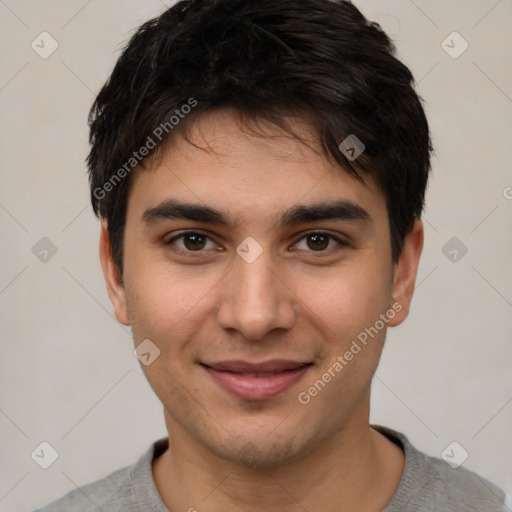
(355, 469)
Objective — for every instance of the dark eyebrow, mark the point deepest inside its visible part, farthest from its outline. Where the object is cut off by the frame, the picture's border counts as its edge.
(344, 210)
(172, 209)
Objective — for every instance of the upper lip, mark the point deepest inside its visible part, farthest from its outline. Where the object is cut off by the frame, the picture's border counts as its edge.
(271, 366)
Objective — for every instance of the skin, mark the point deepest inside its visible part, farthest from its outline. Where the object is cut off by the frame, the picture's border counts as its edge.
(295, 301)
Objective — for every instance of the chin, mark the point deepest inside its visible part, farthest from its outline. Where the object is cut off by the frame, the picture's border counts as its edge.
(258, 453)
(259, 444)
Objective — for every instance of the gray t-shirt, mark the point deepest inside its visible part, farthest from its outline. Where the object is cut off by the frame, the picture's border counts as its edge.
(428, 484)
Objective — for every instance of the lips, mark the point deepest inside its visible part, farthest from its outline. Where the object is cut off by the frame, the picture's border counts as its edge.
(256, 381)
(271, 367)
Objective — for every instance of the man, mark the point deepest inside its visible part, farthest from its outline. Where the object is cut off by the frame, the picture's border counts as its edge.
(260, 171)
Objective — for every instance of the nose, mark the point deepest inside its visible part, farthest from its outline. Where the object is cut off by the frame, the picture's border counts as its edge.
(256, 299)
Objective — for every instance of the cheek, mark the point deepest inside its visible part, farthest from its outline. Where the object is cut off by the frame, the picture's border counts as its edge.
(167, 304)
(347, 300)
(347, 310)
(169, 311)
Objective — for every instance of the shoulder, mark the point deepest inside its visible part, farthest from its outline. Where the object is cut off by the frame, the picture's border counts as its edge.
(106, 494)
(430, 484)
(459, 488)
(128, 489)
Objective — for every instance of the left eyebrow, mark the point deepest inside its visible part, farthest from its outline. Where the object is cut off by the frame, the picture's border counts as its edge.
(344, 210)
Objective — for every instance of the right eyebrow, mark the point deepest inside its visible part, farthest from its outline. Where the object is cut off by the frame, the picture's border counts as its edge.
(172, 209)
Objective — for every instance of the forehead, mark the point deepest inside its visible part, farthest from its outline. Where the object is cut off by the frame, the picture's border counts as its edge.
(251, 169)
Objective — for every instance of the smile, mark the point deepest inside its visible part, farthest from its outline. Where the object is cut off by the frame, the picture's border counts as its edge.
(256, 381)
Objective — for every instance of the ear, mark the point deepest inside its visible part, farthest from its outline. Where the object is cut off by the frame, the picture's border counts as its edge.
(405, 271)
(113, 279)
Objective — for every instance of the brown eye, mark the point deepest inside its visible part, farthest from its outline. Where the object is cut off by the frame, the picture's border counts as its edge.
(194, 241)
(317, 242)
(190, 242)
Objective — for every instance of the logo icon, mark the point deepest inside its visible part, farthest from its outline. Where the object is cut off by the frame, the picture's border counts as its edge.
(454, 455)
(44, 45)
(44, 250)
(44, 455)
(454, 249)
(146, 352)
(249, 250)
(352, 147)
(454, 45)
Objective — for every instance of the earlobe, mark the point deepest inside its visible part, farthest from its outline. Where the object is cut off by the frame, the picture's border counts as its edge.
(113, 280)
(405, 271)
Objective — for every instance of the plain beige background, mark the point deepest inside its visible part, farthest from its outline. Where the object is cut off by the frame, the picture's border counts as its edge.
(67, 372)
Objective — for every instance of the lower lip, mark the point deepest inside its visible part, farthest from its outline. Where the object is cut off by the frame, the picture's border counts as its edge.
(257, 388)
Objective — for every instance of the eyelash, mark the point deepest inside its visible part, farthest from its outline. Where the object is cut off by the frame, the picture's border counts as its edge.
(189, 253)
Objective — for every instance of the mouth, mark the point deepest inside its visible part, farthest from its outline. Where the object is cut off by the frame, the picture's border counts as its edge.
(256, 381)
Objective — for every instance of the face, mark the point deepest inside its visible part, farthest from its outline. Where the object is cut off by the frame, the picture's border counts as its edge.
(255, 268)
